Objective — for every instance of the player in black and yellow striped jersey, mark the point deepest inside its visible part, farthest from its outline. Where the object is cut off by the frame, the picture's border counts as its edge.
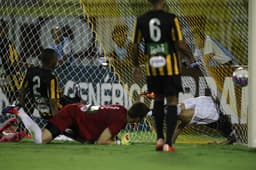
(10, 62)
(42, 85)
(163, 39)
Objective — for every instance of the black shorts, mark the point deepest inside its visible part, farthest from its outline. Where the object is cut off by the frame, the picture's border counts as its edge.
(165, 85)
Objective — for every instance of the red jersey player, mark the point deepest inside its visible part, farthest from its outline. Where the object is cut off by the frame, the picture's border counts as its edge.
(95, 124)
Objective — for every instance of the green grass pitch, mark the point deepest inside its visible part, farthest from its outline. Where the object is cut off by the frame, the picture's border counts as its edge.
(74, 156)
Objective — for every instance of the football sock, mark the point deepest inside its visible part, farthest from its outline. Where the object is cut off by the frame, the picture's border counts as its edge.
(158, 112)
(9, 123)
(171, 121)
(224, 125)
(31, 126)
(16, 137)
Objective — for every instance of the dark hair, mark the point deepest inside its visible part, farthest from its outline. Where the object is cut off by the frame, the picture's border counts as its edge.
(138, 110)
(46, 55)
(154, 1)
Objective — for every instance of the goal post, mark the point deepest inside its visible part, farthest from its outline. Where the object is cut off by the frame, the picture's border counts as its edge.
(252, 78)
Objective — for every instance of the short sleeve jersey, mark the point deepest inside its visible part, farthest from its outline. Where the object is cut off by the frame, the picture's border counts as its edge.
(160, 31)
(42, 85)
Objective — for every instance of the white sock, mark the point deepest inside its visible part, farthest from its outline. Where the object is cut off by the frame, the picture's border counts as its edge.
(178, 109)
(31, 126)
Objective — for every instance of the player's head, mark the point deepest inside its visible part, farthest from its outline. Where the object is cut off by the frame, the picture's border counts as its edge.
(49, 58)
(120, 34)
(137, 112)
(57, 34)
(4, 29)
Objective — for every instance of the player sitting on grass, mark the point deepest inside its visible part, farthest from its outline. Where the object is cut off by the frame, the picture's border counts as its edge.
(93, 124)
(40, 84)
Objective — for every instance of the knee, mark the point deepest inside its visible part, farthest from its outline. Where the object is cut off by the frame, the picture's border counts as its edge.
(172, 101)
(46, 136)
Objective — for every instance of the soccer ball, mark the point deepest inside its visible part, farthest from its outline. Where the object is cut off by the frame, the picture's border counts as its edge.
(240, 77)
(125, 140)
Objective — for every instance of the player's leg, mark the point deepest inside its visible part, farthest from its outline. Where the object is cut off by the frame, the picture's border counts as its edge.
(158, 111)
(179, 127)
(155, 85)
(61, 121)
(47, 136)
(171, 119)
(8, 124)
(225, 126)
(172, 87)
(16, 137)
(27, 121)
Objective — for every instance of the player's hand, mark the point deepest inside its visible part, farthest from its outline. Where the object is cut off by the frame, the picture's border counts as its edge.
(137, 74)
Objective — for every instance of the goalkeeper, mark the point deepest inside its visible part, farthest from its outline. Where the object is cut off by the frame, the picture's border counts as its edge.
(91, 124)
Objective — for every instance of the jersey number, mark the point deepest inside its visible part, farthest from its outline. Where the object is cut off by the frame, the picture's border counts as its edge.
(154, 29)
(36, 86)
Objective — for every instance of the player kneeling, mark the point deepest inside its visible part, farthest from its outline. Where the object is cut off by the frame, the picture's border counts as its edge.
(93, 124)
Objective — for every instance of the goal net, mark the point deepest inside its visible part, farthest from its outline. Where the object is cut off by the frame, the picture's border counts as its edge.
(96, 31)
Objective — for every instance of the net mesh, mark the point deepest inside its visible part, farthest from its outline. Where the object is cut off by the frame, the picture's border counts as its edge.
(97, 29)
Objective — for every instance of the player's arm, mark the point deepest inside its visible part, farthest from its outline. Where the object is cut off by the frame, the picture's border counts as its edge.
(181, 44)
(180, 126)
(185, 50)
(115, 124)
(185, 116)
(53, 95)
(105, 138)
(54, 106)
(23, 89)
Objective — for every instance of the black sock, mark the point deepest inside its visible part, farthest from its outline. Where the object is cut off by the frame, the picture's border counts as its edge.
(225, 125)
(158, 112)
(171, 121)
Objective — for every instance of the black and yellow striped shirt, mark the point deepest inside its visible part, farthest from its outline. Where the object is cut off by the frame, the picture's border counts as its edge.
(161, 31)
(42, 85)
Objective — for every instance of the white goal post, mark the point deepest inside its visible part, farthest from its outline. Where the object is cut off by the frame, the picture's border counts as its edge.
(252, 78)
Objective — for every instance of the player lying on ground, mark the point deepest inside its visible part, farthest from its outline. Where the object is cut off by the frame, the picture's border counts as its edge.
(204, 111)
(93, 124)
(201, 110)
(14, 123)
